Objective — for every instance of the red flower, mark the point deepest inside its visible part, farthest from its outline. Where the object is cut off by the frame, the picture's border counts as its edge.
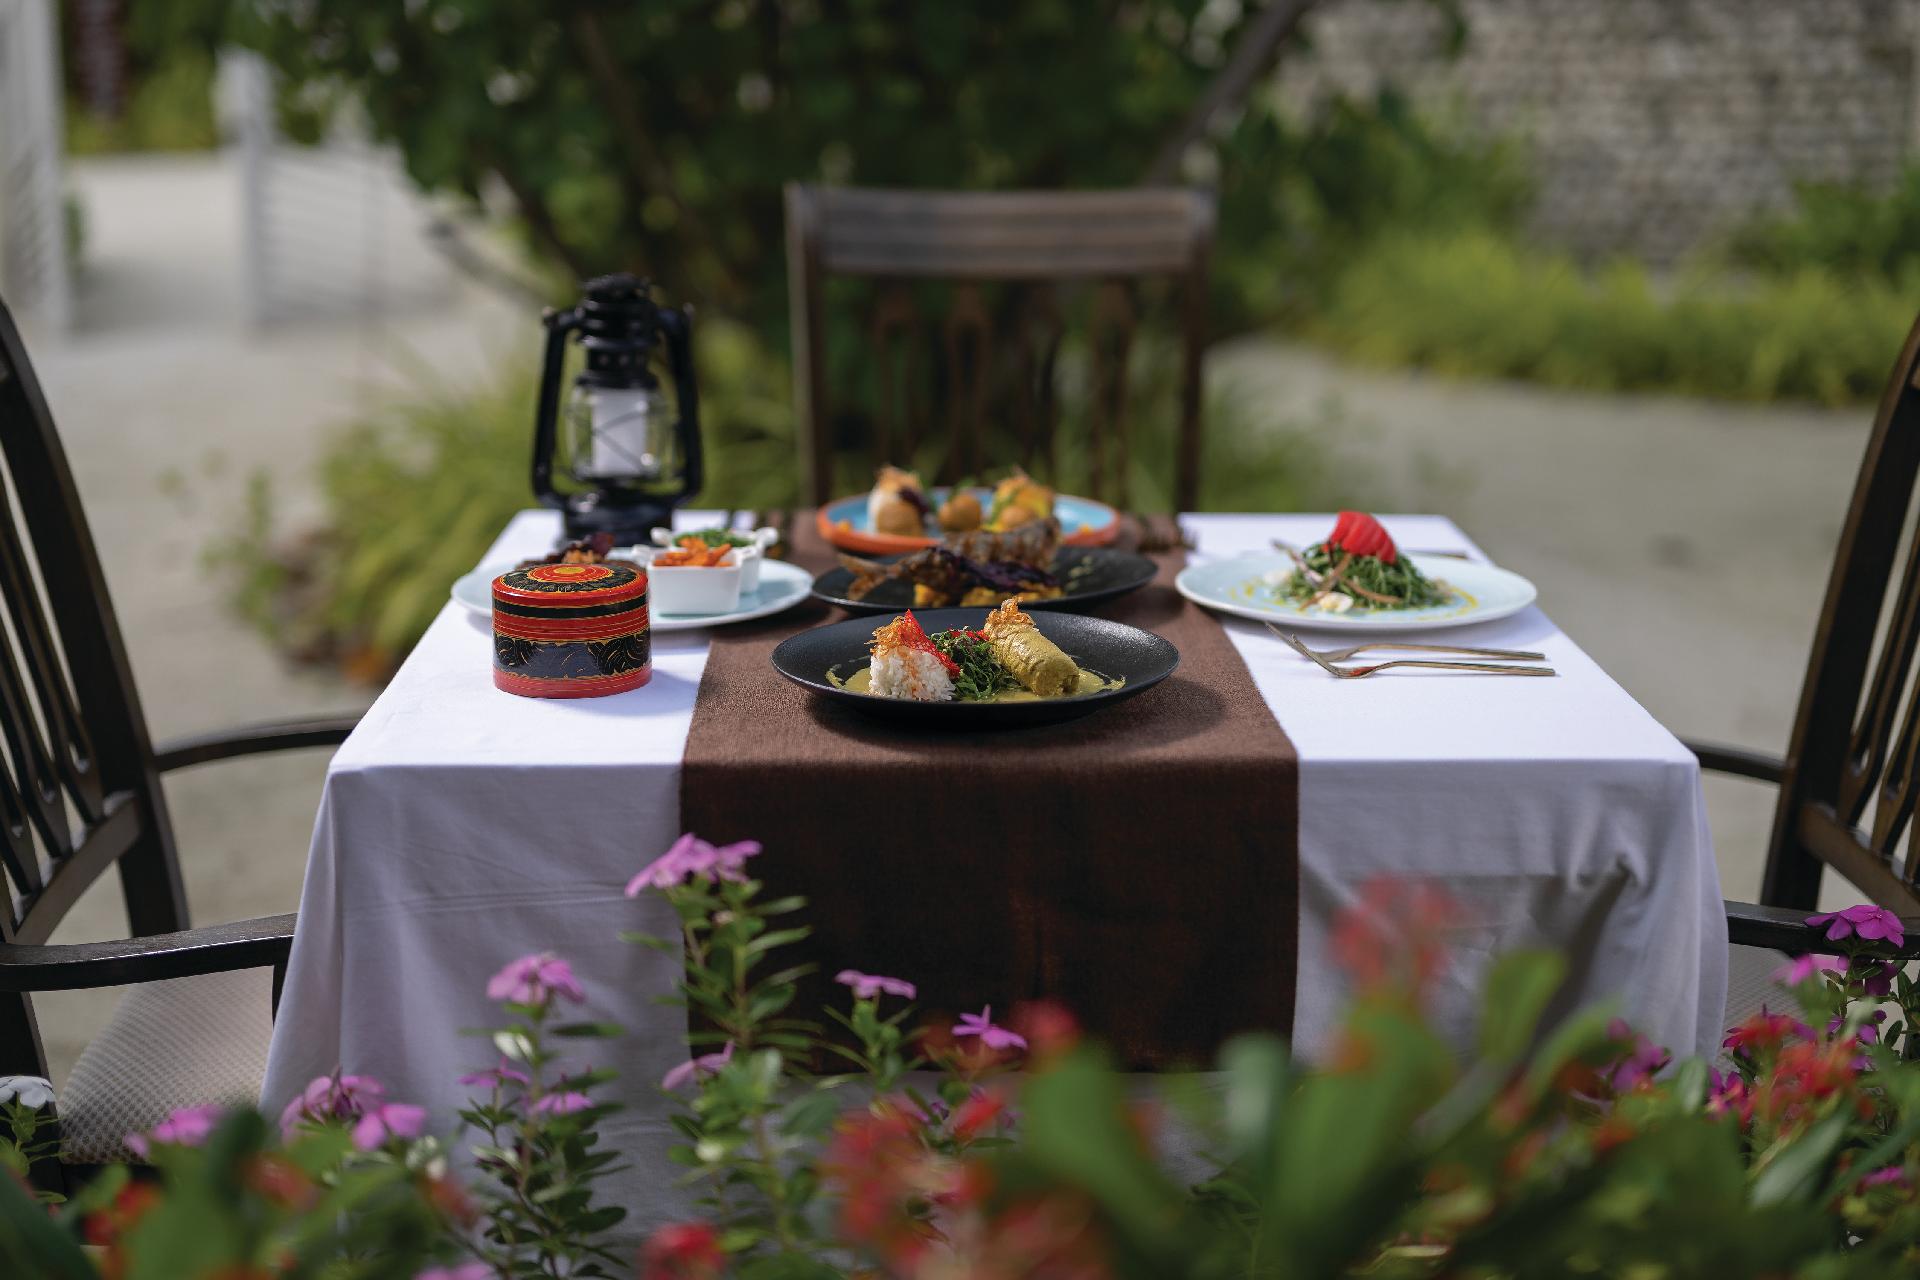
(281, 1182)
(1050, 1030)
(1358, 533)
(1395, 936)
(977, 1113)
(682, 1251)
(1765, 1030)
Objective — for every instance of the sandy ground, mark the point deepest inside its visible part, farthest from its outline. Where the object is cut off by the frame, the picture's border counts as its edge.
(1705, 526)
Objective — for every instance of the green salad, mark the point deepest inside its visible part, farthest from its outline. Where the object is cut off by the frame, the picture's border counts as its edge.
(981, 673)
(1368, 581)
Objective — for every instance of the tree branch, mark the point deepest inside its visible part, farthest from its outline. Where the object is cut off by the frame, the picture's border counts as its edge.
(540, 221)
(1253, 56)
(645, 167)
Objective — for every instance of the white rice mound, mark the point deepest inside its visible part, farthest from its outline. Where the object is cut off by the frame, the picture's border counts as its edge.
(900, 672)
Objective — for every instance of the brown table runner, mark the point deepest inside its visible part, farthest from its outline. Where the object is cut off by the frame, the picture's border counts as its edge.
(1140, 865)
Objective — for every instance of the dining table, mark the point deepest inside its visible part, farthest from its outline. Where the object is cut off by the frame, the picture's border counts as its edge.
(462, 827)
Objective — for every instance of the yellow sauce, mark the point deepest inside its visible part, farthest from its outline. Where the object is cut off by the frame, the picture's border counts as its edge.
(1090, 682)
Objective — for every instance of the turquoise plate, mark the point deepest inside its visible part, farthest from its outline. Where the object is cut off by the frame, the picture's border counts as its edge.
(843, 523)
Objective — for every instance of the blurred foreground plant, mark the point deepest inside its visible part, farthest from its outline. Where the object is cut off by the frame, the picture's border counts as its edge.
(1544, 1151)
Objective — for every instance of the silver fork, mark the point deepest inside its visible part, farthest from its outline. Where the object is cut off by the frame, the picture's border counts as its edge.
(1463, 650)
(1356, 673)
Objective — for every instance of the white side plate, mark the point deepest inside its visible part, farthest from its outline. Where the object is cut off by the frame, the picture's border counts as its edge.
(1481, 593)
(781, 587)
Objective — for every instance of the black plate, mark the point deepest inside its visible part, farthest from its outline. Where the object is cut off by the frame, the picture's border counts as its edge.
(1089, 574)
(1111, 649)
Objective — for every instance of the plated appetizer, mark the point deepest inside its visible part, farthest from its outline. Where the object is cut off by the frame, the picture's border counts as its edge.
(974, 568)
(593, 549)
(695, 552)
(1005, 660)
(899, 505)
(1357, 568)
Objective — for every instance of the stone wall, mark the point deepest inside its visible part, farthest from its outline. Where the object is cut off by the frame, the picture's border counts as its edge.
(1652, 124)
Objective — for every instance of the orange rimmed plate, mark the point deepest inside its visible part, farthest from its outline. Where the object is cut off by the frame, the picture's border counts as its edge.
(843, 523)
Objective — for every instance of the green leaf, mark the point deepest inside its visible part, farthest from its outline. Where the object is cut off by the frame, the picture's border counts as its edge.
(1075, 1129)
(31, 1244)
(1517, 991)
(589, 1030)
(1258, 1073)
(1794, 1171)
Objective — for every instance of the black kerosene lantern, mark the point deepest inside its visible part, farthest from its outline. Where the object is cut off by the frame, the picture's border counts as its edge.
(632, 463)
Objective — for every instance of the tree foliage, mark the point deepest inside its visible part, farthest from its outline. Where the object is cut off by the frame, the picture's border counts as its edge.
(655, 137)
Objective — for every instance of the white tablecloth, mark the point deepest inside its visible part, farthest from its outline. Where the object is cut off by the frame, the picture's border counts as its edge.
(462, 827)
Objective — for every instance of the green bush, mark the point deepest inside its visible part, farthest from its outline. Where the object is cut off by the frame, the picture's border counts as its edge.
(1475, 303)
(1851, 229)
(170, 109)
(416, 492)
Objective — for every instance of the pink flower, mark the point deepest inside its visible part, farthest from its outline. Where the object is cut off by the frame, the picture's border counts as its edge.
(692, 856)
(334, 1097)
(1728, 1095)
(1641, 1061)
(1879, 981)
(186, 1127)
(535, 980)
(705, 1064)
(1803, 967)
(866, 986)
(564, 1103)
(387, 1121)
(497, 1077)
(464, 1271)
(1867, 922)
(981, 1024)
(1893, 1173)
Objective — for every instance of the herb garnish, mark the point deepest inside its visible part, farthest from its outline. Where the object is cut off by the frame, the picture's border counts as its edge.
(714, 537)
(981, 675)
(1401, 585)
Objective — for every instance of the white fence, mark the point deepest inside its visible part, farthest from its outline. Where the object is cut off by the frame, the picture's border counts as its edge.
(33, 235)
(333, 230)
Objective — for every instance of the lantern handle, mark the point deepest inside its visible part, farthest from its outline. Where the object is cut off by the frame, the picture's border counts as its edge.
(677, 324)
(559, 324)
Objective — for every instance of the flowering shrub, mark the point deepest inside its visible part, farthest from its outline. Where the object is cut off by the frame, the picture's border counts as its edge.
(864, 1145)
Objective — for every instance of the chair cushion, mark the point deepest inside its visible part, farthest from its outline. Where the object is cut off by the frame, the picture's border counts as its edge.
(1752, 986)
(172, 1044)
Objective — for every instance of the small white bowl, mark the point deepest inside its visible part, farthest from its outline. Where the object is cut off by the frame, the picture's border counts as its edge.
(749, 556)
(685, 590)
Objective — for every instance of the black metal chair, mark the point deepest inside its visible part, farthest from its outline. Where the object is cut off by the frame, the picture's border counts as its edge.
(1851, 774)
(80, 794)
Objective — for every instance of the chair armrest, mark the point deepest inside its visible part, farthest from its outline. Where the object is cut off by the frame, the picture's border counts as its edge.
(278, 735)
(1786, 929)
(1738, 761)
(216, 948)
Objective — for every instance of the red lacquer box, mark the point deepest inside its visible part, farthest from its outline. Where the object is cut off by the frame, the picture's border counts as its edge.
(571, 630)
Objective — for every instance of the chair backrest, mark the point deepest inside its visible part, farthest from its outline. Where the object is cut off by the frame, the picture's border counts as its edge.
(78, 789)
(996, 363)
(1853, 763)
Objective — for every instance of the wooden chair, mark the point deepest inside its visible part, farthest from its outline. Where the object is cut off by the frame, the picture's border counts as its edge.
(1851, 773)
(80, 795)
(996, 361)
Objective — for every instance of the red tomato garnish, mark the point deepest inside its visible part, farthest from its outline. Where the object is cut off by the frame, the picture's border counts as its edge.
(1358, 533)
(915, 636)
